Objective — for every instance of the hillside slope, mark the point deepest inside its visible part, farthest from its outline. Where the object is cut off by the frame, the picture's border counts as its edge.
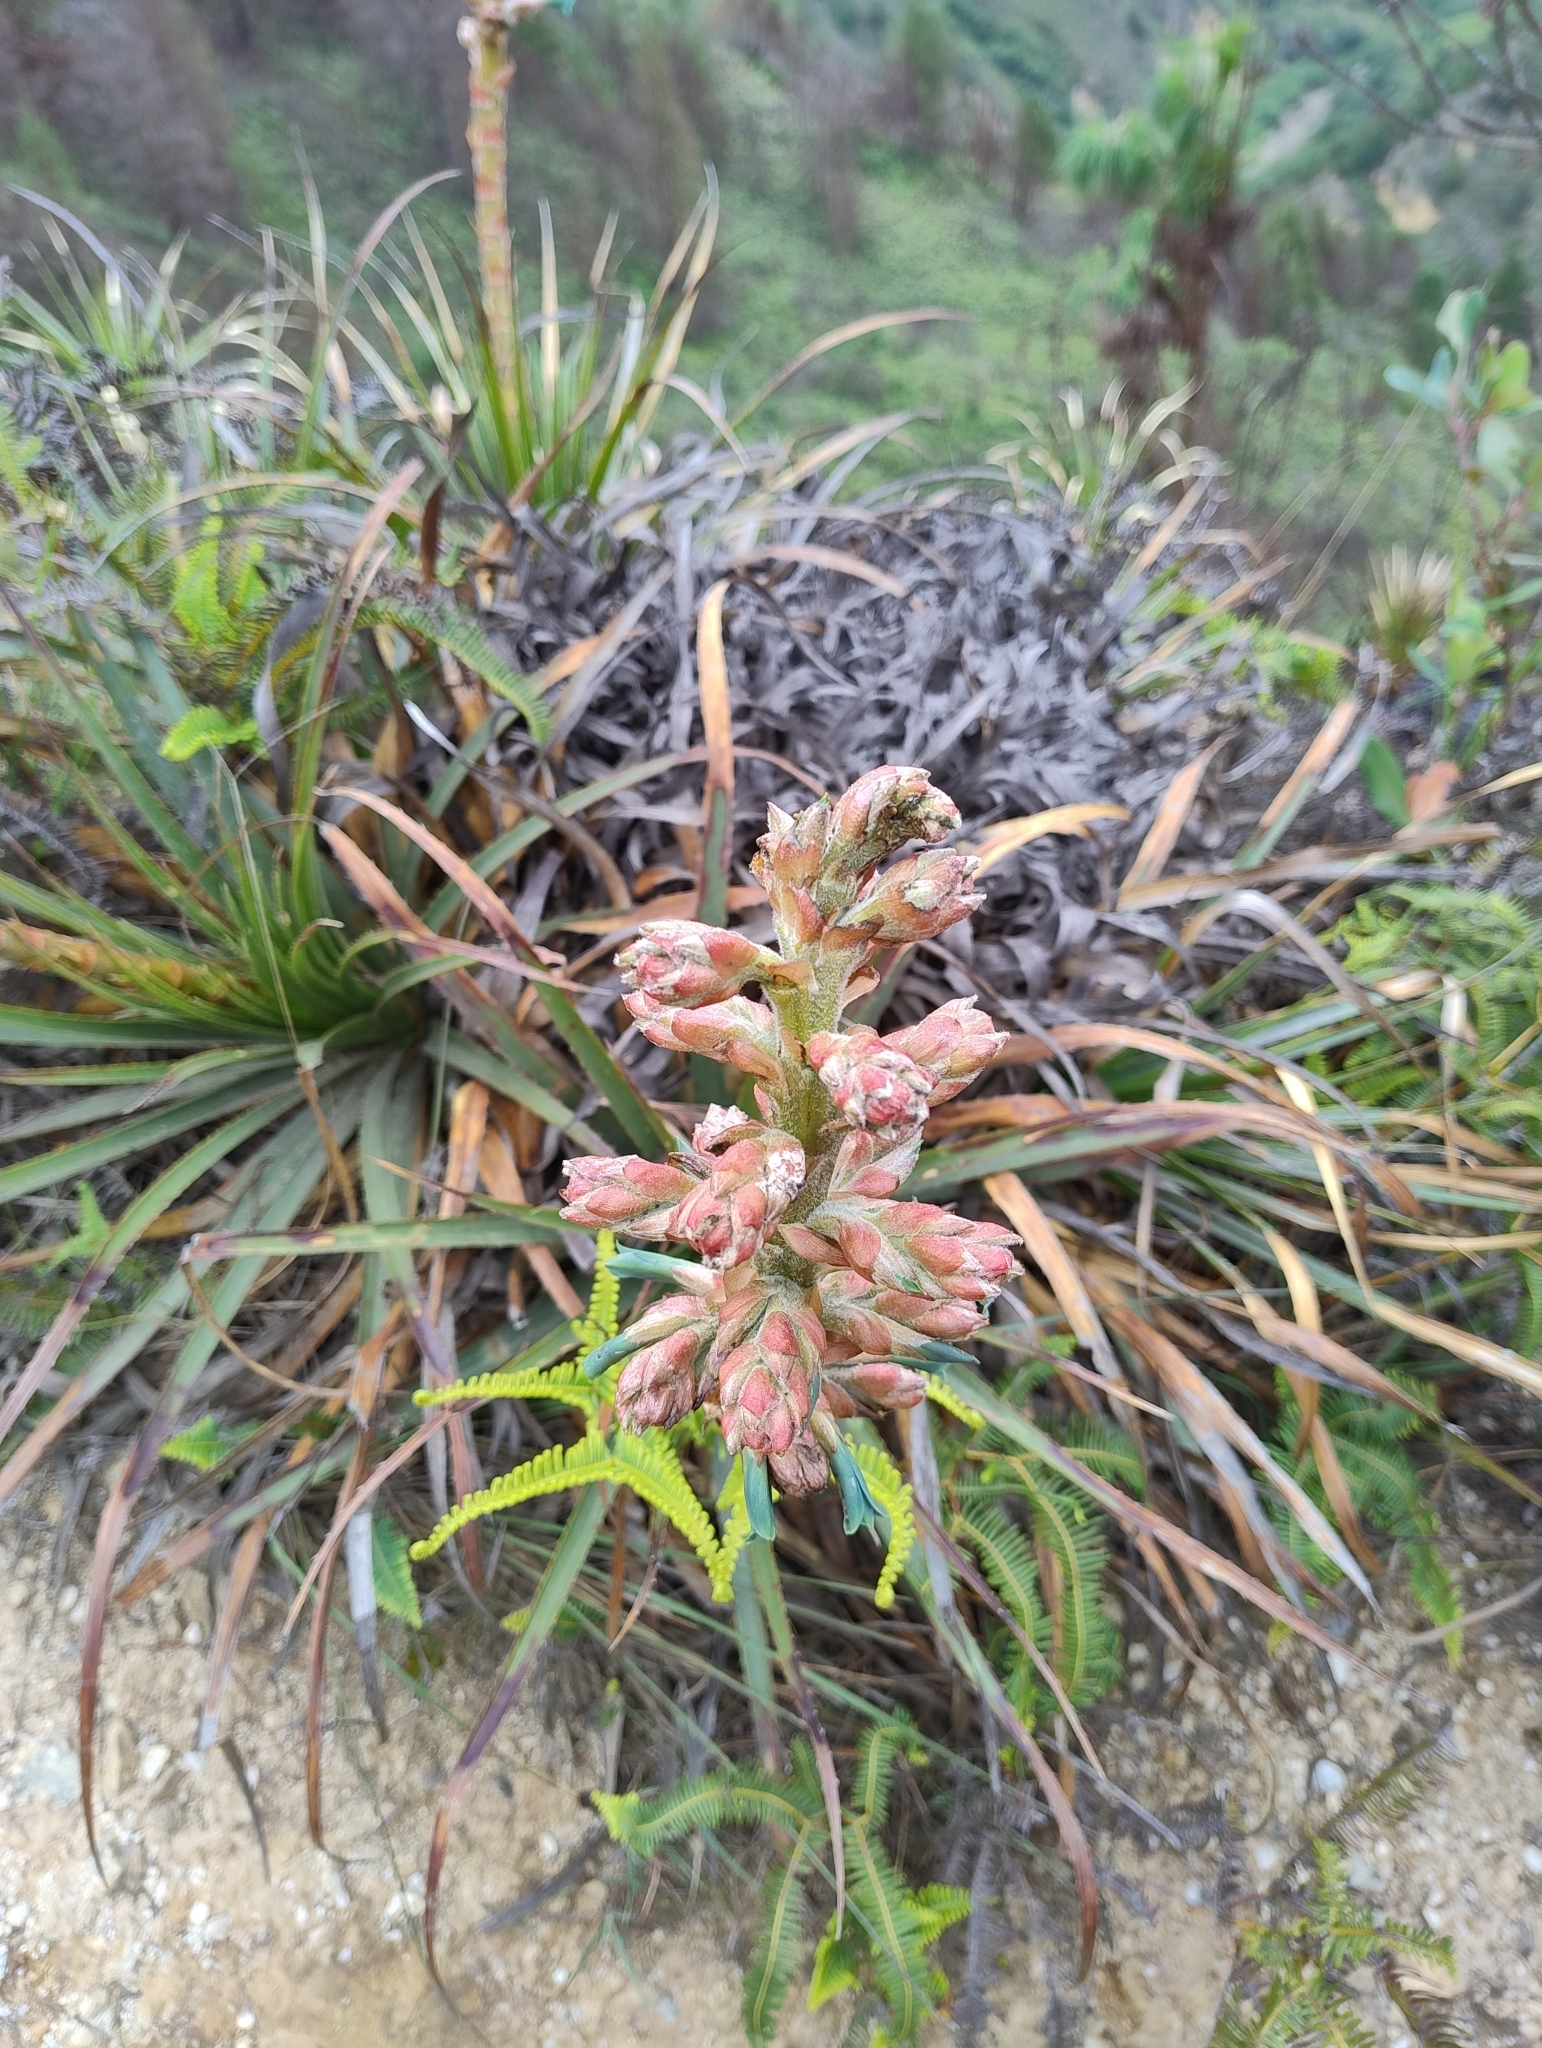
(870, 154)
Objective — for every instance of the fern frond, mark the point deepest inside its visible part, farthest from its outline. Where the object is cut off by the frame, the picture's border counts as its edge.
(645, 1825)
(750, 1796)
(1007, 1557)
(736, 1532)
(943, 1396)
(889, 1919)
(1086, 1652)
(1418, 1945)
(650, 1466)
(1104, 1448)
(939, 1907)
(835, 1968)
(394, 1591)
(875, 1768)
(566, 1383)
(1394, 1793)
(894, 1497)
(443, 625)
(601, 1319)
(605, 1293)
(778, 1938)
(552, 1471)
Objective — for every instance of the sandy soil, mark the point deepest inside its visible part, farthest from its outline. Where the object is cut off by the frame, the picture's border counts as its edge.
(189, 1943)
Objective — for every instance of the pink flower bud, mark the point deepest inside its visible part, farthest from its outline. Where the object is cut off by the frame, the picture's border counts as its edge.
(946, 1320)
(721, 1121)
(808, 1244)
(736, 1032)
(802, 1467)
(792, 847)
(926, 1250)
(953, 1044)
(674, 1312)
(788, 864)
(675, 961)
(657, 1387)
(847, 1304)
(730, 1216)
(915, 899)
(872, 1083)
(881, 811)
(871, 1165)
(765, 1387)
(880, 1381)
(634, 1195)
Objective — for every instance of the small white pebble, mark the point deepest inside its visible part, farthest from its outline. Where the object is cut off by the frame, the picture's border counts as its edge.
(1266, 1856)
(18, 1915)
(1531, 1856)
(1469, 1559)
(198, 1913)
(192, 1635)
(345, 1955)
(559, 1975)
(302, 1915)
(1486, 1687)
(1329, 1779)
(1193, 1893)
(549, 1847)
(153, 1761)
(68, 1595)
(246, 2021)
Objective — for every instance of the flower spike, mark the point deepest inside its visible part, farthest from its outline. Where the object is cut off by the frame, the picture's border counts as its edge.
(819, 1296)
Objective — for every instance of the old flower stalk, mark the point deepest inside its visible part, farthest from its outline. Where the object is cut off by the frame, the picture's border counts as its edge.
(814, 1293)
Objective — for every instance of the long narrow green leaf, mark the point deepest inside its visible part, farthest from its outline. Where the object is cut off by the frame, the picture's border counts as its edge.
(466, 1057)
(66, 1031)
(104, 1102)
(642, 1124)
(133, 1135)
(476, 1231)
(272, 1184)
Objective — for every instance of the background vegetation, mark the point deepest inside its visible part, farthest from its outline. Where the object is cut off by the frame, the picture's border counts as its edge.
(866, 149)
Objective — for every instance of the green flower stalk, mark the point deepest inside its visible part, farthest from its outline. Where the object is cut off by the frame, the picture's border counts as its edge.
(816, 1292)
(484, 36)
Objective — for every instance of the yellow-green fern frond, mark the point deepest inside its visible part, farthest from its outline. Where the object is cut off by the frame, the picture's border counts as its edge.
(565, 1383)
(601, 1320)
(938, 1390)
(648, 1465)
(894, 1497)
(736, 1532)
(553, 1471)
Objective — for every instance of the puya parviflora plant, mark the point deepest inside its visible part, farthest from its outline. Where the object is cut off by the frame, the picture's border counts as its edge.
(814, 1295)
